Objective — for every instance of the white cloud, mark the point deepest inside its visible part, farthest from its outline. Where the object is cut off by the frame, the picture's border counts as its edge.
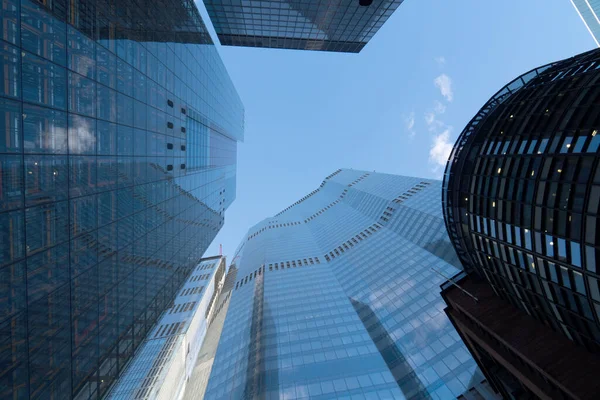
(410, 124)
(429, 118)
(439, 108)
(444, 83)
(440, 149)
(441, 60)
(441, 145)
(410, 121)
(433, 123)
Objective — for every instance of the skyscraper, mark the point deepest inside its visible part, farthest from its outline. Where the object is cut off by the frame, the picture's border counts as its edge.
(338, 295)
(341, 25)
(589, 11)
(521, 203)
(117, 161)
(162, 367)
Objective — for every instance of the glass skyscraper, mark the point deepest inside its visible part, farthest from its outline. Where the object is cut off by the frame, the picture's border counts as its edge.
(162, 367)
(342, 25)
(338, 296)
(589, 11)
(117, 161)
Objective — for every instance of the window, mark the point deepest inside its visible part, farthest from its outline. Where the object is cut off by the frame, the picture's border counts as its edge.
(10, 120)
(43, 82)
(82, 135)
(10, 75)
(82, 95)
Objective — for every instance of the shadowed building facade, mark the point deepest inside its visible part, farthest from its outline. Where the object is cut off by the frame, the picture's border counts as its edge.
(115, 171)
(521, 201)
(337, 25)
(338, 295)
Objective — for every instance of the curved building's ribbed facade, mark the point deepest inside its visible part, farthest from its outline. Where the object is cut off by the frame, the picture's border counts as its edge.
(521, 196)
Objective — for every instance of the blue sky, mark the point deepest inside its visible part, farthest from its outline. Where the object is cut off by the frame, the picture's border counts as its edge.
(396, 107)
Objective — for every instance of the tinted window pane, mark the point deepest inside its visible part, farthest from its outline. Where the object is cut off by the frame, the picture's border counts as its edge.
(82, 135)
(49, 331)
(81, 53)
(11, 186)
(43, 82)
(47, 225)
(10, 75)
(107, 207)
(83, 215)
(9, 23)
(12, 237)
(82, 95)
(107, 103)
(12, 289)
(10, 121)
(45, 179)
(124, 110)
(42, 34)
(125, 141)
(82, 175)
(107, 138)
(83, 253)
(45, 130)
(107, 67)
(47, 271)
(13, 332)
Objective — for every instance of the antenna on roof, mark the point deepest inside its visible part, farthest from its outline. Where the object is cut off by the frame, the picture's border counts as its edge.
(220, 249)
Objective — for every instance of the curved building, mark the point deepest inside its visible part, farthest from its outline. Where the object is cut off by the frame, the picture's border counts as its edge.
(337, 296)
(521, 195)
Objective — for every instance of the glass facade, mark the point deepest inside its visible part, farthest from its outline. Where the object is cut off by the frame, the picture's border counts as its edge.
(522, 196)
(117, 161)
(162, 367)
(343, 26)
(589, 11)
(338, 296)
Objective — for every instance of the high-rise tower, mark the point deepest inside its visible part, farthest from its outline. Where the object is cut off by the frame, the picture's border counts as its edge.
(115, 171)
(162, 367)
(589, 11)
(340, 25)
(521, 203)
(338, 295)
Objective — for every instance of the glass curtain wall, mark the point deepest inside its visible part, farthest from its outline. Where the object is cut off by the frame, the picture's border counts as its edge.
(104, 207)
